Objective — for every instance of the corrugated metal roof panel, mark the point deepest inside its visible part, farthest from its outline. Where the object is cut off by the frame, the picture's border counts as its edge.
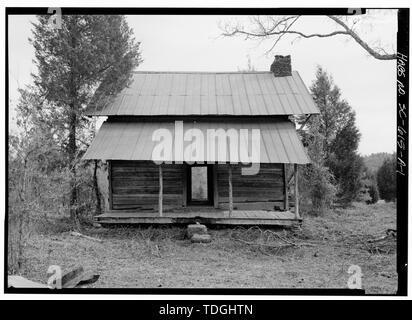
(231, 93)
(279, 142)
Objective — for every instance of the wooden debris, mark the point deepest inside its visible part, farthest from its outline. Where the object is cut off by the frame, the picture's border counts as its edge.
(382, 244)
(88, 279)
(77, 234)
(72, 279)
(255, 236)
(21, 282)
(389, 234)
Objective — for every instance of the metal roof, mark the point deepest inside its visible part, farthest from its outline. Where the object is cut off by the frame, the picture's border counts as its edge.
(207, 93)
(279, 142)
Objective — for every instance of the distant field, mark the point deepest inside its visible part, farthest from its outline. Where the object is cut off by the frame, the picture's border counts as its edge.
(318, 255)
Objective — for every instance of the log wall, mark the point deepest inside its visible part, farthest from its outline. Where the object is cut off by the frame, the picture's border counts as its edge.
(135, 185)
(262, 191)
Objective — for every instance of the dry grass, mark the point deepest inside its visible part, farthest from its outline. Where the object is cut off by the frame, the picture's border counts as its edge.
(321, 253)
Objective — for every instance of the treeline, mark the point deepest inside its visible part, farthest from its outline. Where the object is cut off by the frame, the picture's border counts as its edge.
(338, 175)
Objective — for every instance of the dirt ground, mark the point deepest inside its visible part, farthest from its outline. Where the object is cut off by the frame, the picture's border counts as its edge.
(317, 255)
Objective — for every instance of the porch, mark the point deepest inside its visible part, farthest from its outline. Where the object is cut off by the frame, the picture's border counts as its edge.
(210, 216)
(146, 185)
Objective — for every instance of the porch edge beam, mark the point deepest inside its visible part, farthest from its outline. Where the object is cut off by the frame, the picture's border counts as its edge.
(215, 186)
(109, 175)
(160, 191)
(230, 191)
(285, 190)
(291, 178)
(296, 169)
(184, 186)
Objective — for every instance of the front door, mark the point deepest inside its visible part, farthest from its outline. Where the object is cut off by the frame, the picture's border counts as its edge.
(199, 189)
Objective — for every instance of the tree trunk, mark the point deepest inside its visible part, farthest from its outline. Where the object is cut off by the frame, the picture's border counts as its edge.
(72, 149)
(96, 190)
(72, 156)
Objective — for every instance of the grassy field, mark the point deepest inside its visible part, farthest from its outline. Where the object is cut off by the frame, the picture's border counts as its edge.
(317, 255)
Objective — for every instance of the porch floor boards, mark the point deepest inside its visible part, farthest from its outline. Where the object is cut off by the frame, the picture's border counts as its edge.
(213, 216)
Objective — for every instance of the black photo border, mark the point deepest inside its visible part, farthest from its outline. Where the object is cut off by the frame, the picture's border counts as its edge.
(402, 148)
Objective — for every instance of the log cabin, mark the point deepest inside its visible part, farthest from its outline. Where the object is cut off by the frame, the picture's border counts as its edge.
(209, 147)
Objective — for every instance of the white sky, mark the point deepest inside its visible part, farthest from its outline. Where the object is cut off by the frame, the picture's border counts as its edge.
(193, 43)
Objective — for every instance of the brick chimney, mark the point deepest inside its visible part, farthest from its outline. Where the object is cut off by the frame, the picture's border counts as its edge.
(282, 66)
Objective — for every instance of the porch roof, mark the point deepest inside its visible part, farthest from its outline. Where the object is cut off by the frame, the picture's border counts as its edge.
(278, 142)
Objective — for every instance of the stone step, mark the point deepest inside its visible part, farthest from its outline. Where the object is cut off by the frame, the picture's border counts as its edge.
(197, 228)
(201, 238)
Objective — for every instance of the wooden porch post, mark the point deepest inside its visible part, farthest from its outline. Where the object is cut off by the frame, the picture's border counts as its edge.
(215, 190)
(230, 191)
(184, 195)
(160, 190)
(297, 216)
(285, 186)
(109, 176)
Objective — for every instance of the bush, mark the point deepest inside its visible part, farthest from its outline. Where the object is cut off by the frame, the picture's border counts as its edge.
(317, 184)
(373, 191)
(17, 238)
(318, 188)
(38, 194)
(386, 179)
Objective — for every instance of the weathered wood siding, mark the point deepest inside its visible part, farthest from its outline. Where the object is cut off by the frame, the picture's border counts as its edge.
(135, 185)
(262, 191)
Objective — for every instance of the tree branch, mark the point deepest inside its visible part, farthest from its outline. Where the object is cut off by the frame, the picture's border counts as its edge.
(274, 33)
(362, 43)
(281, 27)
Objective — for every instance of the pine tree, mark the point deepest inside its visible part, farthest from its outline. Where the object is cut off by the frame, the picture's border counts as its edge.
(336, 124)
(86, 53)
(335, 112)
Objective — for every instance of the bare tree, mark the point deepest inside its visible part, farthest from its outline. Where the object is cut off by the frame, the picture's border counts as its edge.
(277, 27)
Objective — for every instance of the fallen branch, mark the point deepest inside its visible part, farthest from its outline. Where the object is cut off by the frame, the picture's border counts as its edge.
(293, 243)
(262, 244)
(269, 235)
(77, 234)
(378, 239)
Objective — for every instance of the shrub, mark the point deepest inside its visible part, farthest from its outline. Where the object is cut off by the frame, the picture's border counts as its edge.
(318, 188)
(386, 179)
(373, 191)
